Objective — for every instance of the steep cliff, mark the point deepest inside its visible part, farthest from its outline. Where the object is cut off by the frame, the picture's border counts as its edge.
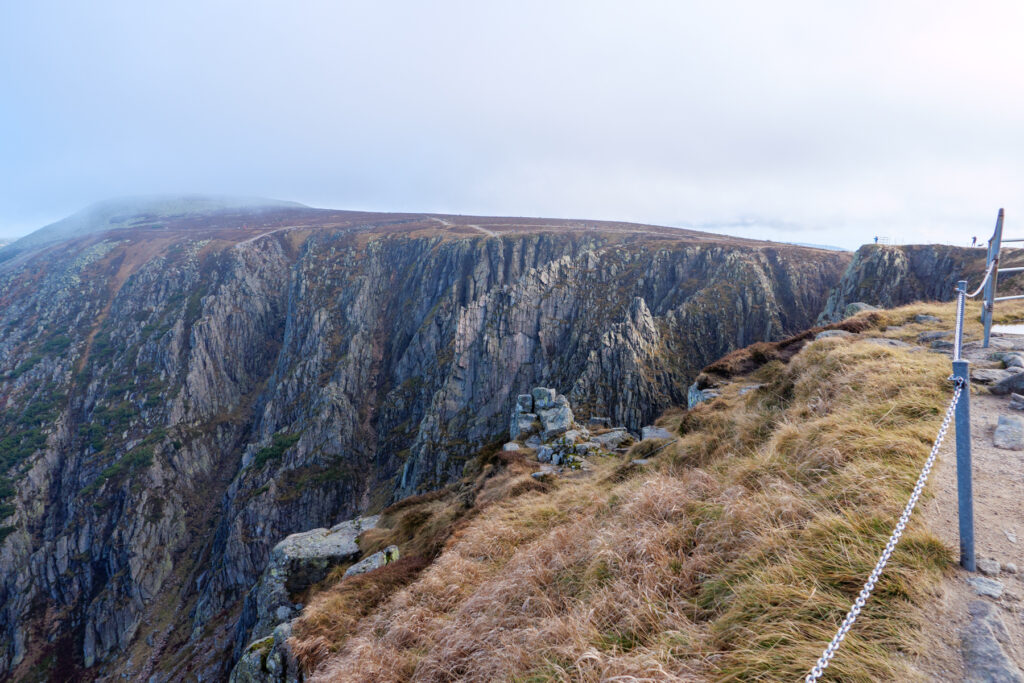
(180, 395)
(889, 276)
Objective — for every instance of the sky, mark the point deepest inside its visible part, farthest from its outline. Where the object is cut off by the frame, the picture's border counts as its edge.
(815, 122)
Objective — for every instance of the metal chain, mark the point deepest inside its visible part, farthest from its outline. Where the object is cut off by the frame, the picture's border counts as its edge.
(869, 586)
(988, 273)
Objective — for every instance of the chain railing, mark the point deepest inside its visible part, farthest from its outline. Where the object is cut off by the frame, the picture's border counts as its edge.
(869, 586)
(961, 381)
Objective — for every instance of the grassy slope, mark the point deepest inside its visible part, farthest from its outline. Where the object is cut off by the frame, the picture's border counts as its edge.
(733, 556)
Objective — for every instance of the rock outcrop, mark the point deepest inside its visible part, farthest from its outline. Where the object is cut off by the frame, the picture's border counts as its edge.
(887, 276)
(179, 395)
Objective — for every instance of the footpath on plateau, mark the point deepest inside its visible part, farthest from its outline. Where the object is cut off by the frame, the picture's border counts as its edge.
(977, 618)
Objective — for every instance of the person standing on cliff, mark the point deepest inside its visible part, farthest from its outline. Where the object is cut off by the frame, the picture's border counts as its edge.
(876, 239)
(974, 241)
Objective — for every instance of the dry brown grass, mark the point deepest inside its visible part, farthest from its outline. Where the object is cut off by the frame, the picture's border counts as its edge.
(733, 558)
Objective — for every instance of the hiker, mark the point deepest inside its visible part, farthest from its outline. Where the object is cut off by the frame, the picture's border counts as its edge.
(876, 239)
(974, 241)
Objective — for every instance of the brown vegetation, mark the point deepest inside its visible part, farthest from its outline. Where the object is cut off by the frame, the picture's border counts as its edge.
(732, 557)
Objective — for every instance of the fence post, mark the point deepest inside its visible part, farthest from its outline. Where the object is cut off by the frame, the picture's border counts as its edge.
(994, 246)
(964, 492)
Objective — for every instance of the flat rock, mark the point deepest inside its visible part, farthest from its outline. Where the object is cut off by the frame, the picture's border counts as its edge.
(600, 422)
(639, 461)
(990, 376)
(830, 334)
(981, 644)
(925, 318)
(890, 343)
(511, 446)
(652, 432)
(932, 336)
(1009, 433)
(941, 345)
(988, 566)
(990, 588)
(744, 390)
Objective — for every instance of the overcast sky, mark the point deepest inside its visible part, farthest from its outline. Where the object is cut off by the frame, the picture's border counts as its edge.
(814, 121)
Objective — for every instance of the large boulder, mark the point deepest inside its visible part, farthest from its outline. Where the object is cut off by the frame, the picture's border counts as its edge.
(556, 419)
(296, 563)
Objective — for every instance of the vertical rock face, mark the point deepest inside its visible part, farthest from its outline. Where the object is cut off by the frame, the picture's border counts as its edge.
(890, 276)
(177, 398)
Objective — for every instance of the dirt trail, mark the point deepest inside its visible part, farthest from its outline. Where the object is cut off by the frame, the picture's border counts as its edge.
(977, 637)
(449, 224)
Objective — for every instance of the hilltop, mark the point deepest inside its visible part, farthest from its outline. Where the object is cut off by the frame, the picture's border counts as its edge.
(184, 387)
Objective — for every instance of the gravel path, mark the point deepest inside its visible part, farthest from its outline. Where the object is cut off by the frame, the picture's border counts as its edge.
(980, 637)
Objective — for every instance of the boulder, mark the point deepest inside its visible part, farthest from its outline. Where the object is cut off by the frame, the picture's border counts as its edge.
(613, 439)
(1009, 433)
(857, 307)
(533, 441)
(543, 398)
(523, 424)
(598, 422)
(295, 564)
(375, 561)
(524, 403)
(695, 395)
(511, 446)
(652, 432)
(545, 453)
(988, 566)
(556, 419)
(1017, 401)
(588, 448)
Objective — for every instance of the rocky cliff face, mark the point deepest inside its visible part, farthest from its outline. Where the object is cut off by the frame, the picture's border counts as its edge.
(888, 276)
(180, 396)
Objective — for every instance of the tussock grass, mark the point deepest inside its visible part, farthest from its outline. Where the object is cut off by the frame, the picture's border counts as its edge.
(733, 556)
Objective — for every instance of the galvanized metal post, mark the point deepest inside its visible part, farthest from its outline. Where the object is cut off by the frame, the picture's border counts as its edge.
(994, 245)
(964, 489)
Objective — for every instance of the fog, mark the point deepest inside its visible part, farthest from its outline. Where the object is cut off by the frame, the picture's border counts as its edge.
(813, 122)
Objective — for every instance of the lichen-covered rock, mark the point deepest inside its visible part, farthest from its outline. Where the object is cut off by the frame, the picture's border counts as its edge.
(296, 563)
(652, 432)
(613, 439)
(375, 561)
(556, 418)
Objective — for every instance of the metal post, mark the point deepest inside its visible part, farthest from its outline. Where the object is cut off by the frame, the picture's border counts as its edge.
(994, 245)
(964, 493)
